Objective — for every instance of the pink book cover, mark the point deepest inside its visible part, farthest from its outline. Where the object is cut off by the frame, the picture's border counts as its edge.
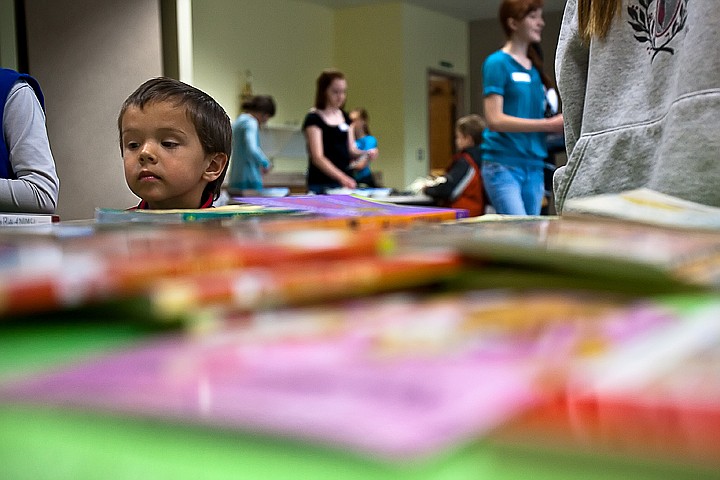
(395, 377)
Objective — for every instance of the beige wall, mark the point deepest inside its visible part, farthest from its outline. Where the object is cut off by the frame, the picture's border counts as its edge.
(285, 44)
(428, 39)
(369, 49)
(384, 49)
(88, 56)
(387, 50)
(8, 45)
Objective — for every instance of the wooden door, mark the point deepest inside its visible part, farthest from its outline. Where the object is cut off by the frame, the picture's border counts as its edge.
(443, 111)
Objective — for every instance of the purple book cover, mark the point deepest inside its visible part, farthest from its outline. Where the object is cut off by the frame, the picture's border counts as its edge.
(348, 206)
(396, 377)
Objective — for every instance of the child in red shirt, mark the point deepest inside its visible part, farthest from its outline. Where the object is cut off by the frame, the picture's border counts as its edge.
(463, 186)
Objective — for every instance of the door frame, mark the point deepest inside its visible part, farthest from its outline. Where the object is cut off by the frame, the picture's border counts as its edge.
(458, 83)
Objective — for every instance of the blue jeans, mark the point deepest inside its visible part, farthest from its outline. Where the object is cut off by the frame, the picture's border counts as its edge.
(514, 190)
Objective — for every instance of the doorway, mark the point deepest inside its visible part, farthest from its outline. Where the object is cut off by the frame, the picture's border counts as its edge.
(445, 105)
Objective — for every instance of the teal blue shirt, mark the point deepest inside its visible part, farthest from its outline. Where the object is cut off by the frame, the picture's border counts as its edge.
(365, 143)
(247, 159)
(524, 97)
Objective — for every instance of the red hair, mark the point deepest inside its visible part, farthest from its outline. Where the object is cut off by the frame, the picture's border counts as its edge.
(517, 10)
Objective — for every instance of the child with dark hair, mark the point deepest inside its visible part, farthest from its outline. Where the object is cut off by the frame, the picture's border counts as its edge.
(462, 185)
(330, 139)
(249, 162)
(175, 141)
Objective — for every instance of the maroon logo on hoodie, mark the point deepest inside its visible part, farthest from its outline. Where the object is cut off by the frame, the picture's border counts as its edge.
(657, 26)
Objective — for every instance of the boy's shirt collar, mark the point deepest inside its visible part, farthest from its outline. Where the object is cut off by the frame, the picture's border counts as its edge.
(207, 203)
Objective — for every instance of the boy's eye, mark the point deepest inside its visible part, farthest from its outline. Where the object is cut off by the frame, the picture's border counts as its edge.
(132, 145)
(169, 144)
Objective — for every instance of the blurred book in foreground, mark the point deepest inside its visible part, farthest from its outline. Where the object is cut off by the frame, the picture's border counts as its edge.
(39, 274)
(109, 215)
(655, 398)
(608, 251)
(647, 206)
(355, 211)
(397, 377)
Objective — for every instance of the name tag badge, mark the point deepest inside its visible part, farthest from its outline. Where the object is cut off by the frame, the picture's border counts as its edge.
(344, 127)
(521, 77)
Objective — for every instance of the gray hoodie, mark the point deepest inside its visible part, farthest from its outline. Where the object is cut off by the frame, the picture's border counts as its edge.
(642, 107)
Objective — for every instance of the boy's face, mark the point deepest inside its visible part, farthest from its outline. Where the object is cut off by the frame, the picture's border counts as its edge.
(463, 141)
(164, 161)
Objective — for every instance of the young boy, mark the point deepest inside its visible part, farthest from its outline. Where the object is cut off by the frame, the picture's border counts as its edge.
(462, 186)
(175, 142)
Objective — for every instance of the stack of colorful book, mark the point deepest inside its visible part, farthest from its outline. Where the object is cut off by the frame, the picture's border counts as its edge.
(358, 339)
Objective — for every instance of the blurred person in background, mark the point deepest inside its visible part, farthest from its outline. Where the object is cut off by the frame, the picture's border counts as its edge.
(514, 84)
(364, 141)
(330, 140)
(248, 162)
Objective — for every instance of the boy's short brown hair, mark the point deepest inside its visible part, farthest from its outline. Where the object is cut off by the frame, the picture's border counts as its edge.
(211, 122)
(472, 126)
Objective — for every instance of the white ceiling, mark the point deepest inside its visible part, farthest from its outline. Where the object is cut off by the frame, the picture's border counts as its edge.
(462, 9)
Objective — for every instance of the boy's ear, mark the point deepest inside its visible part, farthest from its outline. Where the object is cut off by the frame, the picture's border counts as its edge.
(215, 168)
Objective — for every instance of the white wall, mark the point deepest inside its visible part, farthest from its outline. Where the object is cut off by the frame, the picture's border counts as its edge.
(89, 56)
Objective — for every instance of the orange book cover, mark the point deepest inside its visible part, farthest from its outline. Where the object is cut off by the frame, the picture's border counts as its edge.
(49, 273)
(301, 283)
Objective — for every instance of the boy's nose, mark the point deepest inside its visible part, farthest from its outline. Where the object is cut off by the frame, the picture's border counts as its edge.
(147, 153)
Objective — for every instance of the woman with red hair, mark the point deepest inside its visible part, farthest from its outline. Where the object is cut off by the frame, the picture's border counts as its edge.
(514, 144)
